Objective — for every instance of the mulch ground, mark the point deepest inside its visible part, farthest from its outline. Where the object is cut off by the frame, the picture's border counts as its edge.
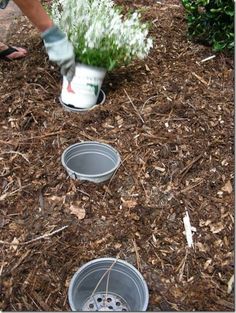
(171, 118)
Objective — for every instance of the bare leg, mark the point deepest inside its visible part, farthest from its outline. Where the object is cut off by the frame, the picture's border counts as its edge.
(38, 17)
(35, 13)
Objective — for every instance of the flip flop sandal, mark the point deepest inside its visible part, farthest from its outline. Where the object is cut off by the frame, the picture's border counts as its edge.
(5, 53)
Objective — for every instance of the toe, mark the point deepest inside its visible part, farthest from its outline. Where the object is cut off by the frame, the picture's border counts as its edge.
(20, 53)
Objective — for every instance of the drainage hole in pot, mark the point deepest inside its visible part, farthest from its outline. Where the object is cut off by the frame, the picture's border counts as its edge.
(117, 303)
(91, 305)
(109, 299)
(99, 299)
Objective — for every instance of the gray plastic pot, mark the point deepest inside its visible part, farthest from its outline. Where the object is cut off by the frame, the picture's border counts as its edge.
(70, 108)
(91, 160)
(95, 288)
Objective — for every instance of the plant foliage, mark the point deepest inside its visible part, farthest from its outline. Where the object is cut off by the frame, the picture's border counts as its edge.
(101, 35)
(211, 22)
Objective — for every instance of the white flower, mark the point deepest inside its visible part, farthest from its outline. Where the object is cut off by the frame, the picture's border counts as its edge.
(101, 35)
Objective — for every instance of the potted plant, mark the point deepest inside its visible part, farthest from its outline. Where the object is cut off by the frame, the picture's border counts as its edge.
(103, 39)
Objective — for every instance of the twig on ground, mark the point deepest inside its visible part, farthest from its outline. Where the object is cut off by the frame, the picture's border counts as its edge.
(38, 85)
(106, 191)
(9, 194)
(181, 266)
(43, 136)
(36, 296)
(35, 239)
(21, 259)
(200, 79)
(191, 187)
(95, 139)
(147, 101)
(145, 191)
(226, 304)
(138, 260)
(16, 152)
(186, 169)
(83, 192)
(136, 110)
(121, 163)
(15, 143)
(19, 140)
(38, 307)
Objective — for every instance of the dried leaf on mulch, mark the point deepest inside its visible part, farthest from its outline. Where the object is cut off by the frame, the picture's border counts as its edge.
(227, 187)
(77, 210)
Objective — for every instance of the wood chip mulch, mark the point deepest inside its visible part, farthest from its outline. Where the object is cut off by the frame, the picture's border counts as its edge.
(171, 117)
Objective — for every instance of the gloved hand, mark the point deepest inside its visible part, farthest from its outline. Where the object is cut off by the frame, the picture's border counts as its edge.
(3, 4)
(60, 51)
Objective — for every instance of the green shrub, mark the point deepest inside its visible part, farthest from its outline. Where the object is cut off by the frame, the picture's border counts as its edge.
(211, 22)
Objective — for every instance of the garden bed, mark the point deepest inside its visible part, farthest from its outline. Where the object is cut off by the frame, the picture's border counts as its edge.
(171, 118)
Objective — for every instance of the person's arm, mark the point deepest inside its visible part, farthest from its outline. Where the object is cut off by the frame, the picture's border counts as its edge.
(59, 49)
(35, 12)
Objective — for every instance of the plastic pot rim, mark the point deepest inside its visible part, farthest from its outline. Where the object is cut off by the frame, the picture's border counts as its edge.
(76, 274)
(113, 169)
(92, 67)
(67, 108)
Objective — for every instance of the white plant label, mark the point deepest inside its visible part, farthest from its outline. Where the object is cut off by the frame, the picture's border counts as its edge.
(188, 230)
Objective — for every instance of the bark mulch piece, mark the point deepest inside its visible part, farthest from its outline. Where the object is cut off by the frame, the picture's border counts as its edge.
(171, 118)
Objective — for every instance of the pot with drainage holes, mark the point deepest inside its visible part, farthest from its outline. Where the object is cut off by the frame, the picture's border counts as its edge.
(108, 284)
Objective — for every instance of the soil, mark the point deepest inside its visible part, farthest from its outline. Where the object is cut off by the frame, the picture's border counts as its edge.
(171, 118)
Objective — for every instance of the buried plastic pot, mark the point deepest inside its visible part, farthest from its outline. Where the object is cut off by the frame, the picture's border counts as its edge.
(70, 108)
(91, 160)
(84, 89)
(108, 284)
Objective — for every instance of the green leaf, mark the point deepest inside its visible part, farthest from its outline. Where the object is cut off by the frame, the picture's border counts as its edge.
(211, 21)
(229, 11)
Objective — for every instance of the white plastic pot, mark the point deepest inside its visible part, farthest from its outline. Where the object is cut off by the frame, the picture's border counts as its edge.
(69, 108)
(83, 91)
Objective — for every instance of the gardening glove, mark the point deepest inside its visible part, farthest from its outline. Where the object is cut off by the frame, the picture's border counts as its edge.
(3, 4)
(60, 51)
